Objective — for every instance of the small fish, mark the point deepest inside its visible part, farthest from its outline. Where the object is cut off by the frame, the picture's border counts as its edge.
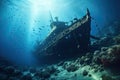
(48, 30)
(42, 26)
(33, 29)
(96, 25)
(78, 46)
(40, 29)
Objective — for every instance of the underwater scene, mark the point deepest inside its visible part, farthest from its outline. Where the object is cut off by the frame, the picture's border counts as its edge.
(59, 40)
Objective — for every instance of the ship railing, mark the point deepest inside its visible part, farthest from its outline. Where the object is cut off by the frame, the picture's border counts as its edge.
(67, 31)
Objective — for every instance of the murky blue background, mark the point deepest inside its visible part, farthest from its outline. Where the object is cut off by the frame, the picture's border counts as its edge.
(24, 22)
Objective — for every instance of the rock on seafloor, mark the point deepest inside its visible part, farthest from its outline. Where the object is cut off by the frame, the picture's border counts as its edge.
(101, 64)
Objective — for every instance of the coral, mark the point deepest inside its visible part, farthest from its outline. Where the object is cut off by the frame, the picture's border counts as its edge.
(106, 77)
(26, 77)
(32, 70)
(9, 70)
(108, 56)
(3, 77)
(97, 62)
(46, 72)
(117, 39)
(86, 60)
(114, 51)
(60, 63)
(70, 67)
(85, 73)
(17, 73)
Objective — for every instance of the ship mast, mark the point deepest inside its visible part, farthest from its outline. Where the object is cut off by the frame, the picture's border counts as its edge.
(51, 17)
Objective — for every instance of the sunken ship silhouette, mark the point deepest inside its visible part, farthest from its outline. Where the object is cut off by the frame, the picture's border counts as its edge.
(66, 41)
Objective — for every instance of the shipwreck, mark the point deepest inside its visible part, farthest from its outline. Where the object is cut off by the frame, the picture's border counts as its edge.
(66, 41)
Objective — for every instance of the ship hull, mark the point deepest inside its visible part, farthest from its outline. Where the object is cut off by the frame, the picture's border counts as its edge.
(72, 42)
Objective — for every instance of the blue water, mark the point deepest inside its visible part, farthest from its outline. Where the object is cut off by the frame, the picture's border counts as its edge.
(21, 20)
